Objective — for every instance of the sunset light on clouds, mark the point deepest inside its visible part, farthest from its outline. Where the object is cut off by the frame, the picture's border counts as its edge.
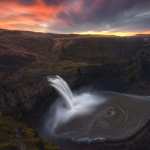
(117, 17)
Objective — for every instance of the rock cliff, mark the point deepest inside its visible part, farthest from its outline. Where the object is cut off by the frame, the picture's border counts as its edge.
(26, 59)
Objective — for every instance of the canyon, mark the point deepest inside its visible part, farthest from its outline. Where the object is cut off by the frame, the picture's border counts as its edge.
(112, 63)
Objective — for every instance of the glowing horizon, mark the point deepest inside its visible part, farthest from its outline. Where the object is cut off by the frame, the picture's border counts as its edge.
(102, 33)
(107, 33)
(99, 17)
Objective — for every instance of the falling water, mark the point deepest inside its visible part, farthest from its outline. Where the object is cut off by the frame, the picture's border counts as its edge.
(77, 104)
(62, 87)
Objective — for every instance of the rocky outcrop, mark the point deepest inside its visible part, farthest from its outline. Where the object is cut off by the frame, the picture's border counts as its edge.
(101, 50)
(26, 59)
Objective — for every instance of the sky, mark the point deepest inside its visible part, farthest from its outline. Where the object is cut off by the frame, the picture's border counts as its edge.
(117, 17)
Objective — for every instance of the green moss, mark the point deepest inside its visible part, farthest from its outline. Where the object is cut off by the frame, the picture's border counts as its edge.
(50, 146)
(132, 72)
(8, 146)
(14, 134)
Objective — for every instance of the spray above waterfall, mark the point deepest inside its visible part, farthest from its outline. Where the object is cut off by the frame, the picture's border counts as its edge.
(70, 104)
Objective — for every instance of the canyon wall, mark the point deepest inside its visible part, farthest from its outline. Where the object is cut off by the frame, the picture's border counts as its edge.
(27, 58)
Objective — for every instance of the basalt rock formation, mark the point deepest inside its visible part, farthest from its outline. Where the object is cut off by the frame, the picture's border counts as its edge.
(26, 59)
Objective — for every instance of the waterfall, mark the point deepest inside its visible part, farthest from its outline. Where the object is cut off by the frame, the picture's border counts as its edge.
(76, 104)
(63, 89)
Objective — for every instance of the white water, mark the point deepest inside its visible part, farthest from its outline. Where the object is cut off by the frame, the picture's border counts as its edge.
(81, 104)
(62, 87)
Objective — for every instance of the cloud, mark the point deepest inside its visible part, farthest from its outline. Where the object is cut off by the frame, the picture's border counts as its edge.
(76, 15)
(27, 2)
(108, 14)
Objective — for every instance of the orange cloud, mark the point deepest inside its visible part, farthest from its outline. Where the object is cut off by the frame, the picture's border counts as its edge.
(14, 14)
(80, 16)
